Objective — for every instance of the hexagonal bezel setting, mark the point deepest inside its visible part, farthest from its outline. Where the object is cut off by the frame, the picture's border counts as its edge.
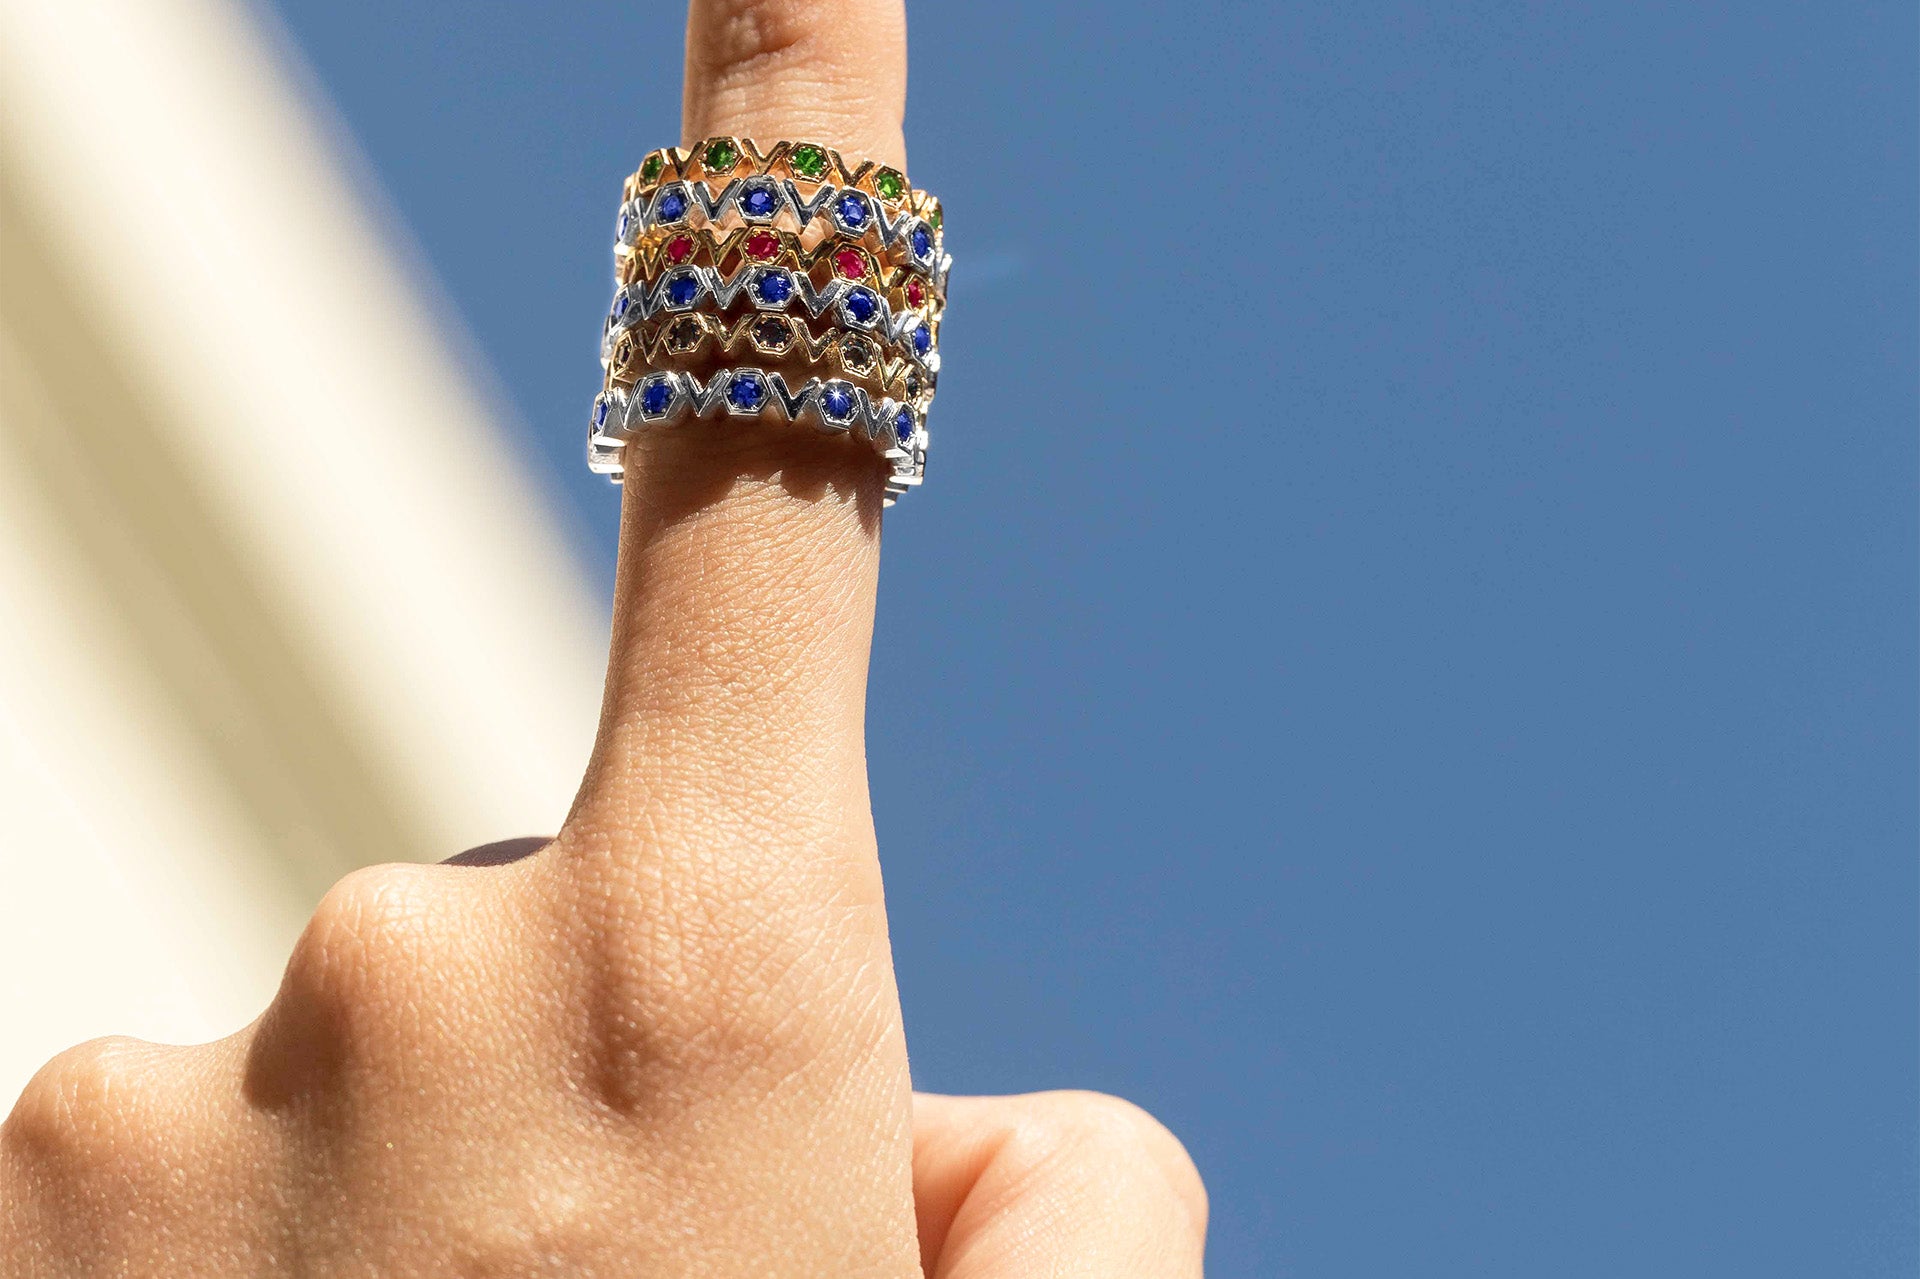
(920, 242)
(759, 200)
(654, 397)
(681, 289)
(851, 212)
(838, 403)
(770, 288)
(671, 205)
(861, 308)
(747, 392)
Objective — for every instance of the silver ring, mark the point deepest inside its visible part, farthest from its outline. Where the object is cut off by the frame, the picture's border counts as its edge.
(897, 431)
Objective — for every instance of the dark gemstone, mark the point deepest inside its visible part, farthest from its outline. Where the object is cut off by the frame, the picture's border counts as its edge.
(656, 396)
(759, 202)
(773, 334)
(856, 355)
(685, 334)
(773, 287)
(862, 305)
(671, 208)
(836, 403)
(683, 290)
(851, 210)
(746, 391)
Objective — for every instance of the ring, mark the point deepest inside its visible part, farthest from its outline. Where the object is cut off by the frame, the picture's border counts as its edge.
(790, 255)
(704, 246)
(857, 307)
(650, 345)
(764, 201)
(897, 431)
(724, 158)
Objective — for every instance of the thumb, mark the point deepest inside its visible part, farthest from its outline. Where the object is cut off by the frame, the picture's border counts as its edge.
(1066, 1184)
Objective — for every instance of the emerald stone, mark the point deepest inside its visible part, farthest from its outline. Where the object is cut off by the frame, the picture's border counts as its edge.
(937, 219)
(721, 156)
(651, 168)
(808, 160)
(889, 185)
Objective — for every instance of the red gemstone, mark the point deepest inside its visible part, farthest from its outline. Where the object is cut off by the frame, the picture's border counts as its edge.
(849, 264)
(680, 248)
(916, 293)
(762, 245)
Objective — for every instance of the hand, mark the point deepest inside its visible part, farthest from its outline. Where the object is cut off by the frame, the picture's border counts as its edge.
(668, 1042)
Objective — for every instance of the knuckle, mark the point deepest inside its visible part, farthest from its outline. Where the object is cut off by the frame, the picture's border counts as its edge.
(718, 975)
(370, 942)
(742, 34)
(93, 1110)
(1103, 1130)
(376, 970)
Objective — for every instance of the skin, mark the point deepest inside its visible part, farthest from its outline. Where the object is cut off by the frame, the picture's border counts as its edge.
(667, 1042)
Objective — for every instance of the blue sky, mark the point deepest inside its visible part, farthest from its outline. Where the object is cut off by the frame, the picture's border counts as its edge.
(1405, 663)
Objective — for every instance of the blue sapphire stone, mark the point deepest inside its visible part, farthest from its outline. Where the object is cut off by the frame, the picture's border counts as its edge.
(851, 210)
(672, 207)
(745, 391)
(903, 426)
(921, 241)
(773, 287)
(862, 305)
(600, 411)
(836, 402)
(683, 290)
(759, 202)
(656, 397)
(923, 339)
(620, 305)
(626, 220)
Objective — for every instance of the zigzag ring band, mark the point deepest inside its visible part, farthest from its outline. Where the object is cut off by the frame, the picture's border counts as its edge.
(728, 250)
(897, 431)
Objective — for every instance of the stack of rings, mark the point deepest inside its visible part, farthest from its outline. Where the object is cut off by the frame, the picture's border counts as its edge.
(729, 260)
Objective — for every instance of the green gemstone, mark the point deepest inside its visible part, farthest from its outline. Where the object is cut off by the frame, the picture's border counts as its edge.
(651, 168)
(938, 217)
(889, 185)
(721, 156)
(808, 161)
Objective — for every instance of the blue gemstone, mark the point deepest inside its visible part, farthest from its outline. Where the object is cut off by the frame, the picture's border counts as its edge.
(921, 241)
(923, 339)
(626, 219)
(600, 411)
(683, 290)
(773, 287)
(656, 397)
(745, 391)
(862, 305)
(758, 202)
(903, 426)
(620, 305)
(671, 208)
(836, 402)
(851, 210)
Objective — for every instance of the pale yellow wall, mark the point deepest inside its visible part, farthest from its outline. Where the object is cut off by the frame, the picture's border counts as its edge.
(275, 598)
